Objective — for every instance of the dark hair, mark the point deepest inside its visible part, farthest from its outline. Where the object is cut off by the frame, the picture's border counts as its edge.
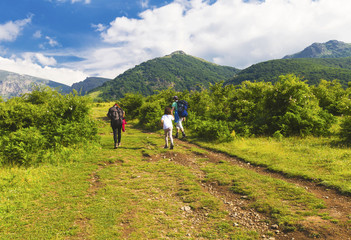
(168, 110)
(175, 98)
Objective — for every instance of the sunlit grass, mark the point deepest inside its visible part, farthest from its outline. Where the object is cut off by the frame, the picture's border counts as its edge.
(313, 158)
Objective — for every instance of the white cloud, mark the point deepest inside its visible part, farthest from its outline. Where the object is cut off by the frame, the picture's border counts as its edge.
(10, 30)
(144, 3)
(52, 42)
(37, 34)
(99, 27)
(85, 1)
(28, 67)
(231, 32)
(39, 58)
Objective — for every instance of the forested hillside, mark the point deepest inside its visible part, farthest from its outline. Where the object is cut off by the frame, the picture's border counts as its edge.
(88, 84)
(311, 69)
(177, 70)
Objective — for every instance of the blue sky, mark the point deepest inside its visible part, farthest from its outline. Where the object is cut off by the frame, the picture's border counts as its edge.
(69, 40)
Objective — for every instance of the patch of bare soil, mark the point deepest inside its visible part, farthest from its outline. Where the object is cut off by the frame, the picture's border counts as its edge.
(338, 206)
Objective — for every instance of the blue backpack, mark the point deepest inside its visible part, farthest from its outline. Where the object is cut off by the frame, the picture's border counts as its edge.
(182, 108)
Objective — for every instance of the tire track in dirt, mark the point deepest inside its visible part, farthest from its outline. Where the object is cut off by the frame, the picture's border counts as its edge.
(338, 206)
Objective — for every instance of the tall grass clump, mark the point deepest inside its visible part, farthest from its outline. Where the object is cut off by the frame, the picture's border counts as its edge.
(42, 121)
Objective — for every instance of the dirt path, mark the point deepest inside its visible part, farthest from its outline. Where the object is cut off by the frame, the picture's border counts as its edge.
(337, 206)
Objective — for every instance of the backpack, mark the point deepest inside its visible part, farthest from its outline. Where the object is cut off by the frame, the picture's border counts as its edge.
(116, 114)
(182, 108)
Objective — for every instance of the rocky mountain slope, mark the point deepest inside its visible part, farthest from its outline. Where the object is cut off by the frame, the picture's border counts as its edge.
(13, 84)
(330, 49)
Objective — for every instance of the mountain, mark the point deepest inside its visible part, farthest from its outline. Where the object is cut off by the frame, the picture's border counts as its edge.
(329, 61)
(177, 70)
(311, 69)
(88, 84)
(330, 49)
(13, 84)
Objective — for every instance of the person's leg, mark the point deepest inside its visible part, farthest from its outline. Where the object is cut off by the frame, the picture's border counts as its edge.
(115, 131)
(166, 131)
(171, 138)
(180, 126)
(119, 129)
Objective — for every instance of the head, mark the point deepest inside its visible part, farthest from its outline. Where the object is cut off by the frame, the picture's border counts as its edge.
(168, 111)
(175, 98)
(116, 105)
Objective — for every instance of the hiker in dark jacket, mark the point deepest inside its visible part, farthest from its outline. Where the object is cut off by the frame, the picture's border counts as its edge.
(116, 115)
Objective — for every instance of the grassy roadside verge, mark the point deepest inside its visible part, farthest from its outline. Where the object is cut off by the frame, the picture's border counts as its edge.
(310, 158)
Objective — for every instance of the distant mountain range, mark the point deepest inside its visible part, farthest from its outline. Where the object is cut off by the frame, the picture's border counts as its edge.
(14, 84)
(177, 70)
(329, 61)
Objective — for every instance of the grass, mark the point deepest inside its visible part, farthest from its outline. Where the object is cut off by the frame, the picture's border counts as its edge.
(111, 194)
(282, 201)
(311, 158)
(133, 192)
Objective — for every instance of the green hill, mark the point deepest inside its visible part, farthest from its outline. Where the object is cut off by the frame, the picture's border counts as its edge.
(177, 70)
(311, 69)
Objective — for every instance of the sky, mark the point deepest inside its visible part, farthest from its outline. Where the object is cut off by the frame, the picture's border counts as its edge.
(68, 40)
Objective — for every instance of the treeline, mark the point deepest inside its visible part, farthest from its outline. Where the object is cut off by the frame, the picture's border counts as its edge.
(288, 107)
(35, 125)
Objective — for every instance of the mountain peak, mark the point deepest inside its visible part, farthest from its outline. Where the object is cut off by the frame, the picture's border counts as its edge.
(178, 52)
(330, 49)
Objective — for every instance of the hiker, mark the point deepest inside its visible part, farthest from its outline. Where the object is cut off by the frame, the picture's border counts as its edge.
(116, 115)
(166, 120)
(178, 120)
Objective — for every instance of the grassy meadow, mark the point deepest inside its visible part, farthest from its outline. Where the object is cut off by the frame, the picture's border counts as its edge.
(142, 191)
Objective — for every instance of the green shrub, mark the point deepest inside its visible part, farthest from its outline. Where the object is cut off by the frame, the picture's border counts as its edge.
(150, 115)
(345, 131)
(43, 120)
(292, 108)
(131, 104)
(211, 130)
(23, 146)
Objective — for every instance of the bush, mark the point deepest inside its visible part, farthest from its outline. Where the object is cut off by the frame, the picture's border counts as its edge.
(131, 104)
(150, 115)
(292, 108)
(345, 131)
(211, 130)
(43, 120)
(23, 146)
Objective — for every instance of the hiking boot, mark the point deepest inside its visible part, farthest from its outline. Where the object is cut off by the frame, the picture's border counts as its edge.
(171, 147)
(183, 133)
(165, 147)
(176, 136)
